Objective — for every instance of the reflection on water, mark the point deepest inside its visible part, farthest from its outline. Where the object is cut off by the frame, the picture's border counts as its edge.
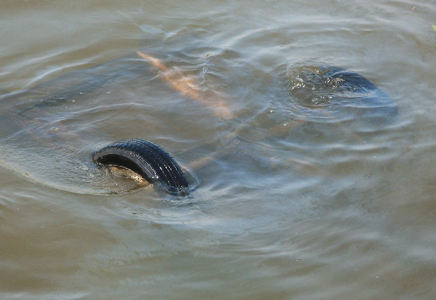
(303, 192)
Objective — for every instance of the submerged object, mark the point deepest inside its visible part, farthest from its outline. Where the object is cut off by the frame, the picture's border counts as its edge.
(188, 86)
(370, 100)
(333, 94)
(148, 160)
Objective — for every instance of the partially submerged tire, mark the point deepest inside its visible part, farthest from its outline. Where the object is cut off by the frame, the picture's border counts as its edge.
(334, 95)
(367, 97)
(147, 159)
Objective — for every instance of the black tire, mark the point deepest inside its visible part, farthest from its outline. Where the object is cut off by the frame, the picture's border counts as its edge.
(370, 100)
(147, 159)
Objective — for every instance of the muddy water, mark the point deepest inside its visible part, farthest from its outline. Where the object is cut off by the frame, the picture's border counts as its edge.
(294, 198)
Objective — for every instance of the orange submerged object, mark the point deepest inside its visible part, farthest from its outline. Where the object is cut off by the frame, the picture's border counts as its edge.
(187, 86)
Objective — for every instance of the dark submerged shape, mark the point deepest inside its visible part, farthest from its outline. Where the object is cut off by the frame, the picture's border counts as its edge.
(147, 159)
(370, 102)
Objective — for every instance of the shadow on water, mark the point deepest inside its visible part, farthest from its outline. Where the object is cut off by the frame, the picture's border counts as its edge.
(49, 131)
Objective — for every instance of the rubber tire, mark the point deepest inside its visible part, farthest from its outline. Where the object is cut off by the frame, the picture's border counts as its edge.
(147, 159)
(376, 102)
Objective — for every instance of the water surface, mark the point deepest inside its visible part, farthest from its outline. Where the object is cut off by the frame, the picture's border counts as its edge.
(291, 202)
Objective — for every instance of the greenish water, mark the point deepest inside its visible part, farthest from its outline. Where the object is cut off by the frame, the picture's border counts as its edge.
(291, 202)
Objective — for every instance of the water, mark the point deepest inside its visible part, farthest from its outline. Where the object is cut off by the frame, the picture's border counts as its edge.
(291, 202)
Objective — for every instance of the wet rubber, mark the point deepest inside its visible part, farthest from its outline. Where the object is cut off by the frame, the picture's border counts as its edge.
(145, 158)
(370, 96)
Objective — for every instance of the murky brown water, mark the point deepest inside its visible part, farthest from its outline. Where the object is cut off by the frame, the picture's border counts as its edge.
(290, 203)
